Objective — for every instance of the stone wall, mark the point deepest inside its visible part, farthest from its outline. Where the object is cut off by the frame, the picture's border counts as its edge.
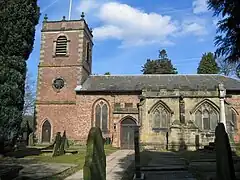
(179, 135)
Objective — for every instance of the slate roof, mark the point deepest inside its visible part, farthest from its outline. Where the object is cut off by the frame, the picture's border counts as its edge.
(156, 82)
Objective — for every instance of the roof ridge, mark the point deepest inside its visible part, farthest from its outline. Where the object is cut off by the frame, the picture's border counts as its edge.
(159, 75)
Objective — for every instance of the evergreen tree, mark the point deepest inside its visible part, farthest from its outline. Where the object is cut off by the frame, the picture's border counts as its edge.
(228, 30)
(162, 65)
(208, 64)
(18, 19)
(107, 73)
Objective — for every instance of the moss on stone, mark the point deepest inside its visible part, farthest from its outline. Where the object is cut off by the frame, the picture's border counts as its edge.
(95, 160)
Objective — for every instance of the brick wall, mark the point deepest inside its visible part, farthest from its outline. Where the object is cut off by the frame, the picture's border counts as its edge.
(86, 114)
(235, 103)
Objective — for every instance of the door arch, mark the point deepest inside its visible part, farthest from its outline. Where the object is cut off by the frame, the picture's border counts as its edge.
(46, 132)
(127, 133)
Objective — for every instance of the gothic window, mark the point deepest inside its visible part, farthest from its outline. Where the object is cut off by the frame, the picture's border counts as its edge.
(231, 118)
(61, 46)
(161, 118)
(101, 116)
(46, 131)
(206, 117)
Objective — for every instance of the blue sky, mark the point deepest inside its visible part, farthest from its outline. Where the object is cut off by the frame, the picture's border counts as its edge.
(127, 32)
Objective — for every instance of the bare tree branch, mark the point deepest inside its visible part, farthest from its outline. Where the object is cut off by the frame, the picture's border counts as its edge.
(226, 68)
(29, 99)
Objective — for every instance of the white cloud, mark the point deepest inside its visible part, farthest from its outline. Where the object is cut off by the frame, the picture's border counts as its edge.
(133, 26)
(200, 6)
(88, 5)
(193, 28)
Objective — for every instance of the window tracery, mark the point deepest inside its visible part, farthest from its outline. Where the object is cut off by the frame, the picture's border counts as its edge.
(101, 116)
(206, 117)
(161, 118)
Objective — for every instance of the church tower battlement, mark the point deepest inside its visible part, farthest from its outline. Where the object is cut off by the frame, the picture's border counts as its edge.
(65, 58)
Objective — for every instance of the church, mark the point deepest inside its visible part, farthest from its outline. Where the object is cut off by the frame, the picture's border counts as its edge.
(171, 111)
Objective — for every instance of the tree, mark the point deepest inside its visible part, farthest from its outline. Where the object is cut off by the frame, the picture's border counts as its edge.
(162, 65)
(208, 64)
(228, 28)
(17, 27)
(107, 73)
(226, 68)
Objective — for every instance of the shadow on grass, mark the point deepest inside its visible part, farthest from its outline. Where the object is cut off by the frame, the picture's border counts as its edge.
(40, 165)
(201, 164)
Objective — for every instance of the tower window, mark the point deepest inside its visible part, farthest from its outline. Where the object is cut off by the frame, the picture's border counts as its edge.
(61, 46)
(88, 52)
(58, 83)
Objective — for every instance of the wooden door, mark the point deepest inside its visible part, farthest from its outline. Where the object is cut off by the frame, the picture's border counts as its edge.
(127, 134)
(46, 132)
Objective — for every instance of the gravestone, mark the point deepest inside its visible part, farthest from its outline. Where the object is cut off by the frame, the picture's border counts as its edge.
(95, 160)
(138, 174)
(56, 149)
(31, 139)
(224, 161)
(63, 144)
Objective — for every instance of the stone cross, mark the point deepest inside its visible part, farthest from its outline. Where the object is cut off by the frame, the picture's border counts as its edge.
(222, 94)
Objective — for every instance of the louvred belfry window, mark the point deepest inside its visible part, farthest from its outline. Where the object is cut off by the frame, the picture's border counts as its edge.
(61, 46)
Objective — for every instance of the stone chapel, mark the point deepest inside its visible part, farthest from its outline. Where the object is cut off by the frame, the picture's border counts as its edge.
(170, 111)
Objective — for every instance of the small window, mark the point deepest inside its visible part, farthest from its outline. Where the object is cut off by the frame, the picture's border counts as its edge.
(58, 83)
(117, 105)
(128, 105)
(88, 52)
(61, 46)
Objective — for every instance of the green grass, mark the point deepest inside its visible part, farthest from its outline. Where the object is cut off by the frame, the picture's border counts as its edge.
(72, 158)
(77, 159)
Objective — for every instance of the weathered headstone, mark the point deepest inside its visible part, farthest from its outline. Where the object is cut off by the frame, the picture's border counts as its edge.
(95, 160)
(57, 145)
(224, 161)
(31, 139)
(137, 154)
(62, 145)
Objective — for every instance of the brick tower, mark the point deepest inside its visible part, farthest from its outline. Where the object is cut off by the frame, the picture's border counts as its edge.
(65, 62)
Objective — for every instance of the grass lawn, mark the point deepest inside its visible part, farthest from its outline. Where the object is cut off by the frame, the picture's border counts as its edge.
(78, 158)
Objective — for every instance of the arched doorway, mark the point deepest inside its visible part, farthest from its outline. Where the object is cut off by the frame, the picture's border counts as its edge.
(46, 132)
(127, 133)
